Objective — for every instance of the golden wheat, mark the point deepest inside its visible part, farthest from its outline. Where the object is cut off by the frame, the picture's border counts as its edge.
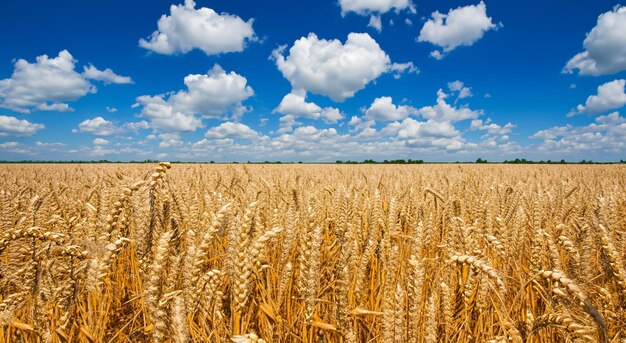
(312, 253)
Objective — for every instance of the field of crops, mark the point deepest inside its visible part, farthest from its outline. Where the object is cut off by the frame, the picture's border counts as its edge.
(312, 253)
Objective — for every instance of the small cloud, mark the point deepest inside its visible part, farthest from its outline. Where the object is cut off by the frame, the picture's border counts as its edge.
(100, 141)
(436, 54)
(376, 23)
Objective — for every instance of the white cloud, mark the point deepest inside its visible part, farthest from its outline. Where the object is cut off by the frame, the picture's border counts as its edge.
(459, 86)
(383, 109)
(399, 68)
(295, 105)
(610, 96)
(426, 134)
(232, 130)
(11, 126)
(210, 95)
(605, 135)
(287, 123)
(188, 28)
(58, 107)
(170, 140)
(111, 109)
(465, 92)
(436, 54)
(364, 7)
(99, 126)
(107, 76)
(136, 126)
(410, 128)
(331, 68)
(331, 115)
(100, 141)
(455, 86)
(605, 46)
(361, 123)
(46, 84)
(375, 23)
(461, 26)
(442, 111)
(491, 128)
(408, 22)
(163, 116)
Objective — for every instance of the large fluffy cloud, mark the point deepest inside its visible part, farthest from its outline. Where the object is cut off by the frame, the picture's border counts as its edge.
(605, 46)
(610, 96)
(50, 82)
(374, 6)
(461, 26)
(295, 105)
(188, 28)
(331, 68)
(211, 95)
(11, 126)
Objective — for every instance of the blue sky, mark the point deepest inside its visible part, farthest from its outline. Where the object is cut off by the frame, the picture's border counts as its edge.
(312, 80)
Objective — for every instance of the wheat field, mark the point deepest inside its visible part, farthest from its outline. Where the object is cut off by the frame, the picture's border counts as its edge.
(312, 253)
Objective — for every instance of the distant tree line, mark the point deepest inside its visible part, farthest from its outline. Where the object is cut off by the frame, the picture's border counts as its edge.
(367, 161)
(525, 161)
(370, 161)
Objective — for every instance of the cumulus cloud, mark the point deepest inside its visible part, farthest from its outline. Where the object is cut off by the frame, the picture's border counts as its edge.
(232, 130)
(287, 123)
(331, 68)
(107, 76)
(188, 28)
(462, 26)
(491, 128)
(605, 46)
(100, 141)
(443, 111)
(211, 95)
(99, 126)
(11, 126)
(46, 84)
(295, 105)
(364, 7)
(111, 109)
(604, 135)
(383, 109)
(424, 134)
(610, 96)
(361, 123)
